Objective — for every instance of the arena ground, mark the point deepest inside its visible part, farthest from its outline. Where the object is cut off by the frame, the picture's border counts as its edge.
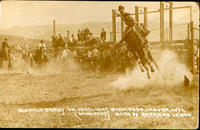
(89, 90)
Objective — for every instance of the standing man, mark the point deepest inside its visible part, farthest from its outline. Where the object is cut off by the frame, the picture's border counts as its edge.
(103, 35)
(42, 48)
(42, 45)
(68, 35)
(79, 35)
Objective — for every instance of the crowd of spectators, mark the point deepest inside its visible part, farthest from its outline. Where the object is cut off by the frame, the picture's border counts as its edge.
(98, 56)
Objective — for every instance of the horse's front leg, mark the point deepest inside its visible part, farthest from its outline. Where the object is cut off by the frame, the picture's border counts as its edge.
(147, 70)
(145, 64)
(148, 59)
(150, 65)
(138, 61)
(150, 56)
(140, 65)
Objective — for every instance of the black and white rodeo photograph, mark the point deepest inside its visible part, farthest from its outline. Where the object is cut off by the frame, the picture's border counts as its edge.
(99, 64)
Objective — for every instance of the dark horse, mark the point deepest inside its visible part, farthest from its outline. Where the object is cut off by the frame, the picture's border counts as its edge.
(40, 58)
(136, 45)
(5, 56)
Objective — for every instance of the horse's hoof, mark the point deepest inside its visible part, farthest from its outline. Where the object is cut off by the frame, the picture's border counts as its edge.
(152, 69)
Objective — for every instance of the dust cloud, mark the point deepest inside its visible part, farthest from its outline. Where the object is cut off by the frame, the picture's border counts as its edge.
(171, 73)
(20, 66)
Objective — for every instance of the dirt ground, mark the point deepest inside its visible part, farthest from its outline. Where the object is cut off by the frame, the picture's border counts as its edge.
(89, 90)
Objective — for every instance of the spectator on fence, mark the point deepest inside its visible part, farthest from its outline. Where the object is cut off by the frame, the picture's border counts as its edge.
(103, 35)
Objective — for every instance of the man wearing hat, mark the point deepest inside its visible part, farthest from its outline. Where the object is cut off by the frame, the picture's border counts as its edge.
(42, 48)
(130, 22)
(5, 48)
(5, 43)
(137, 29)
(103, 35)
(42, 45)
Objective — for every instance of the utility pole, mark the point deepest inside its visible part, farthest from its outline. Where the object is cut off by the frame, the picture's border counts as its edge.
(162, 22)
(145, 16)
(114, 25)
(54, 28)
(137, 13)
(170, 22)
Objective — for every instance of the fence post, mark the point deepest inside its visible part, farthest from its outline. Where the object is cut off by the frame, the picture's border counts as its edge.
(192, 44)
(190, 13)
(54, 28)
(122, 27)
(145, 16)
(137, 13)
(170, 22)
(188, 31)
(111, 37)
(114, 25)
(162, 22)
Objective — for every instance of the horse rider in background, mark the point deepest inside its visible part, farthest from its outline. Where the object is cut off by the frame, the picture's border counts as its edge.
(42, 47)
(4, 49)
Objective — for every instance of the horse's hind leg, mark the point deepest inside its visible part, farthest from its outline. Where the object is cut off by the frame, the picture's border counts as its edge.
(151, 66)
(147, 70)
(142, 70)
(155, 64)
(150, 56)
(138, 61)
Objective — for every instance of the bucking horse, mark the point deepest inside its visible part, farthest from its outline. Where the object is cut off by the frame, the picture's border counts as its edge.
(135, 38)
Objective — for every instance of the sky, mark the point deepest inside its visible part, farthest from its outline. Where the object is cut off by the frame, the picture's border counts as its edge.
(20, 13)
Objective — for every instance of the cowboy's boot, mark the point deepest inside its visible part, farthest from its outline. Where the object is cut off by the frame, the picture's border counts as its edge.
(152, 69)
